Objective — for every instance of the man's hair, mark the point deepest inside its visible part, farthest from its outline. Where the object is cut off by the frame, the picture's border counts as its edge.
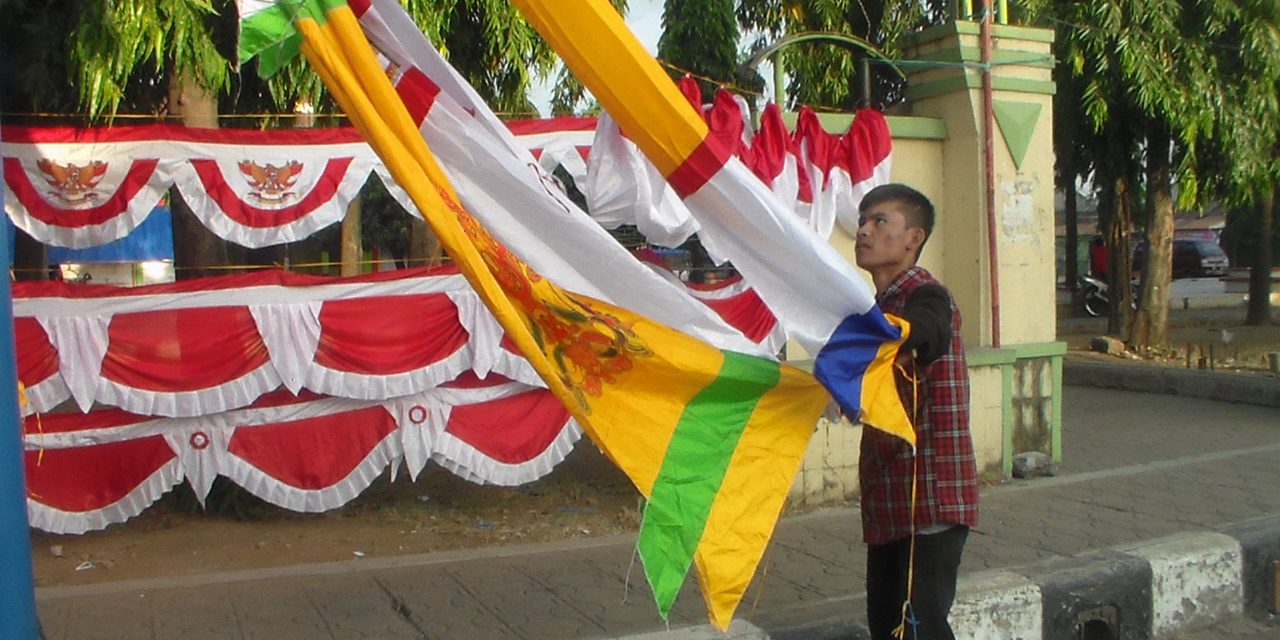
(914, 206)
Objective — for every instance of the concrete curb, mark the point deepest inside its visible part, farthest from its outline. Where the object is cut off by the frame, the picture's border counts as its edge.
(1229, 387)
(1182, 582)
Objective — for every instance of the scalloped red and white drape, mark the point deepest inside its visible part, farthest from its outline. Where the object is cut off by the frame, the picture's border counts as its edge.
(301, 389)
(86, 187)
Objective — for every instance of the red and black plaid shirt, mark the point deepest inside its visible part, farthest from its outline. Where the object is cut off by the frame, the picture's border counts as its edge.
(947, 488)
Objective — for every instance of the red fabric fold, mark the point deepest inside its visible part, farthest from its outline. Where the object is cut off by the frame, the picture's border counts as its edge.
(88, 478)
(513, 429)
(314, 453)
(421, 331)
(183, 350)
(37, 359)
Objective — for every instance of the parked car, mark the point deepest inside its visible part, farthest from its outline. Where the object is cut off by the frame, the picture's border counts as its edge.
(1192, 258)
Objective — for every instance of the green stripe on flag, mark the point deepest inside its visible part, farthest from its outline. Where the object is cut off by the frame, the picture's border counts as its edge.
(270, 34)
(693, 468)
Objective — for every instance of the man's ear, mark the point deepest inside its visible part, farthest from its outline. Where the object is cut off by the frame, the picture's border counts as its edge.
(916, 237)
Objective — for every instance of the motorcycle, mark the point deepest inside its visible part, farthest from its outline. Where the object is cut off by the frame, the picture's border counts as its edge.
(1093, 293)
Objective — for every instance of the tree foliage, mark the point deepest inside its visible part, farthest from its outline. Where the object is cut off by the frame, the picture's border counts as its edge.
(823, 75)
(1187, 83)
(103, 57)
(700, 37)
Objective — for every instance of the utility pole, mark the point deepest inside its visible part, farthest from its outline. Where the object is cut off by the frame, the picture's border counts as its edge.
(17, 585)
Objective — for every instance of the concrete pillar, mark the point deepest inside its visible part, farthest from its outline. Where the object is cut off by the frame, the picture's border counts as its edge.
(945, 82)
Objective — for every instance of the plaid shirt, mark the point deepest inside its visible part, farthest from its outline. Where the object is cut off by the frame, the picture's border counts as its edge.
(947, 490)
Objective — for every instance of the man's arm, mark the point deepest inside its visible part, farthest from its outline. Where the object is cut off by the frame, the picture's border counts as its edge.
(928, 309)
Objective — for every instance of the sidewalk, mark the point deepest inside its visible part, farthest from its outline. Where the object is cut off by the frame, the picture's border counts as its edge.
(1165, 516)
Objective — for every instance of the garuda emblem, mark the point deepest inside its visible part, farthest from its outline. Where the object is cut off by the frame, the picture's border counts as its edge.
(73, 183)
(271, 184)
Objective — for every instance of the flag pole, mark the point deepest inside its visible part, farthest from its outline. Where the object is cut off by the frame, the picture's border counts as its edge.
(17, 585)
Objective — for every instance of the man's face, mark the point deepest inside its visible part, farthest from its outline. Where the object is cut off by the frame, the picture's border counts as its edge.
(884, 239)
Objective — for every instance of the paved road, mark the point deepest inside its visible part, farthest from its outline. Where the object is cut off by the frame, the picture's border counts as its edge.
(1137, 467)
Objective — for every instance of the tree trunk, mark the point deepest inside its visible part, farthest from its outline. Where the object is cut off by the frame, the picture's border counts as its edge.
(424, 246)
(1151, 321)
(1118, 266)
(196, 250)
(29, 258)
(1071, 251)
(1260, 273)
(352, 249)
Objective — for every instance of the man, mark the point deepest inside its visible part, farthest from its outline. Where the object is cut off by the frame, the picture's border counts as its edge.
(1098, 258)
(933, 381)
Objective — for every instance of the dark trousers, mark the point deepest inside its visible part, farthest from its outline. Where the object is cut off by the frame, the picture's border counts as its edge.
(936, 566)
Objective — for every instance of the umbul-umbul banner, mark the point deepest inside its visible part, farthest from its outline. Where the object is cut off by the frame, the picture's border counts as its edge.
(711, 437)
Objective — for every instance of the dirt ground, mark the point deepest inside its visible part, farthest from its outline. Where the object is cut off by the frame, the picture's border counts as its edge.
(1214, 338)
(585, 496)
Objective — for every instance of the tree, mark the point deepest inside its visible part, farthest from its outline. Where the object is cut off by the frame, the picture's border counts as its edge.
(1244, 38)
(825, 76)
(700, 37)
(1073, 159)
(1137, 72)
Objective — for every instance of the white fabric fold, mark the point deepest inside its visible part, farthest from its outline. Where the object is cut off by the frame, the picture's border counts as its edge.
(203, 453)
(623, 187)
(82, 343)
(485, 333)
(420, 424)
(291, 333)
(45, 395)
(232, 394)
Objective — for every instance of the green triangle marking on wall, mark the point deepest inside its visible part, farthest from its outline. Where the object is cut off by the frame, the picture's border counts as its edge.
(1017, 122)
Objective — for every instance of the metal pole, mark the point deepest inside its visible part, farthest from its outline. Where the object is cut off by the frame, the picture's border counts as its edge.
(865, 72)
(779, 78)
(17, 586)
(989, 168)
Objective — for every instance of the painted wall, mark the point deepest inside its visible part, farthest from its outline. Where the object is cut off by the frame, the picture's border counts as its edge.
(938, 149)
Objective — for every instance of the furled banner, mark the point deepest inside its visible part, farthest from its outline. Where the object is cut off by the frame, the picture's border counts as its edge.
(194, 348)
(175, 357)
(81, 188)
(723, 432)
